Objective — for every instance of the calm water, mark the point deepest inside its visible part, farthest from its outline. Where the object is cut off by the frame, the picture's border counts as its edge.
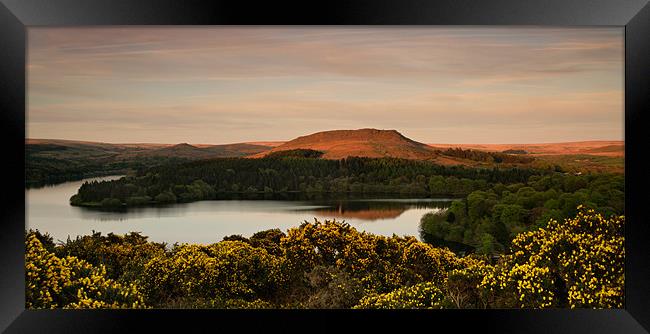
(48, 210)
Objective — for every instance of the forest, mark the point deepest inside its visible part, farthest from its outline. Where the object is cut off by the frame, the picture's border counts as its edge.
(496, 157)
(575, 263)
(43, 171)
(206, 179)
(489, 219)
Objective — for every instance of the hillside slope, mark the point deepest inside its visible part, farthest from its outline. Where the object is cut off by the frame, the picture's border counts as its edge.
(338, 144)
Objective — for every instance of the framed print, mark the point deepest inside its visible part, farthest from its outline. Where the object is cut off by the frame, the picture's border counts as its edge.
(380, 164)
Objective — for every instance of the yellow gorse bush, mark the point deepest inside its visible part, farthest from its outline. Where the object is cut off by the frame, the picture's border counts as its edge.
(381, 263)
(228, 269)
(422, 295)
(575, 263)
(53, 282)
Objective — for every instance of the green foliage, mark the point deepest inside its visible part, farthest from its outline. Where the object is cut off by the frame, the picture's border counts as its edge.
(76, 200)
(489, 220)
(137, 200)
(111, 203)
(227, 177)
(165, 197)
(297, 153)
(493, 157)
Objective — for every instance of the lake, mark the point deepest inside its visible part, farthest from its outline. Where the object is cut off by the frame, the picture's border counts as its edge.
(48, 210)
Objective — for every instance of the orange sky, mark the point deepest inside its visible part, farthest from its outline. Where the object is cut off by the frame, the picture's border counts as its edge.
(233, 84)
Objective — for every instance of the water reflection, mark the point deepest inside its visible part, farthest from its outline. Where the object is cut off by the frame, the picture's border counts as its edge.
(371, 210)
(367, 210)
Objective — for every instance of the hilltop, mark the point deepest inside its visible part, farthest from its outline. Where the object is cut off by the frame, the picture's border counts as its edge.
(373, 143)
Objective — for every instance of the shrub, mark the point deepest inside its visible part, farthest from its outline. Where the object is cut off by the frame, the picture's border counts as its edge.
(332, 288)
(422, 295)
(225, 270)
(138, 200)
(53, 282)
(123, 257)
(329, 264)
(462, 286)
(576, 263)
(166, 197)
(111, 203)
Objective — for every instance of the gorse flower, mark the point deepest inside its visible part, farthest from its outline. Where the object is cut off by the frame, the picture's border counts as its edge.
(53, 282)
(576, 263)
(422, 295)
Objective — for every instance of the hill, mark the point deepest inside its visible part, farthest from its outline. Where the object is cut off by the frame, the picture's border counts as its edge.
(51, 161)
(193, 152)
(373, 143)
(62, 149)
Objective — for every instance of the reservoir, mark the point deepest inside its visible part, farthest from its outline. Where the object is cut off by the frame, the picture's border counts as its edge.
(205, 222)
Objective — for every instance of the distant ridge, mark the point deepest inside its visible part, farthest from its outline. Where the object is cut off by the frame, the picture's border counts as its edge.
(374, 143)
(128, 151)
(610, 148)
(187, 151)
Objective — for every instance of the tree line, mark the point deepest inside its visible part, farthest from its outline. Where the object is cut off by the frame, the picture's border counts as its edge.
(483, 156)
(209, 179)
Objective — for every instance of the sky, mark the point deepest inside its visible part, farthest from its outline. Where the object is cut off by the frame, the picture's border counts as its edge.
(213, 85)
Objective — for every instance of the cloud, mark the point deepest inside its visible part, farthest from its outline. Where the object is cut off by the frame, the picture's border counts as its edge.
(231, 84)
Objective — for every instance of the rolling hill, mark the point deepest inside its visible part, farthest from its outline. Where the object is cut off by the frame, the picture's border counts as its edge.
(194, 152)
(62, 149)
(373, 143)
(51, 161)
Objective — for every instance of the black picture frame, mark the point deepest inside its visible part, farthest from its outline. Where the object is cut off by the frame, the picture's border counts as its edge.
(17, 15)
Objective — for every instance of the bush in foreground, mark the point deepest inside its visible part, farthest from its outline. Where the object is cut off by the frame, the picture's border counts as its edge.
(422, 295)
(577, 263)
(53, 282)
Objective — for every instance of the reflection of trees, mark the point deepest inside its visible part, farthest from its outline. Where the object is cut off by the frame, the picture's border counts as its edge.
(372, 210)
(360, 214)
